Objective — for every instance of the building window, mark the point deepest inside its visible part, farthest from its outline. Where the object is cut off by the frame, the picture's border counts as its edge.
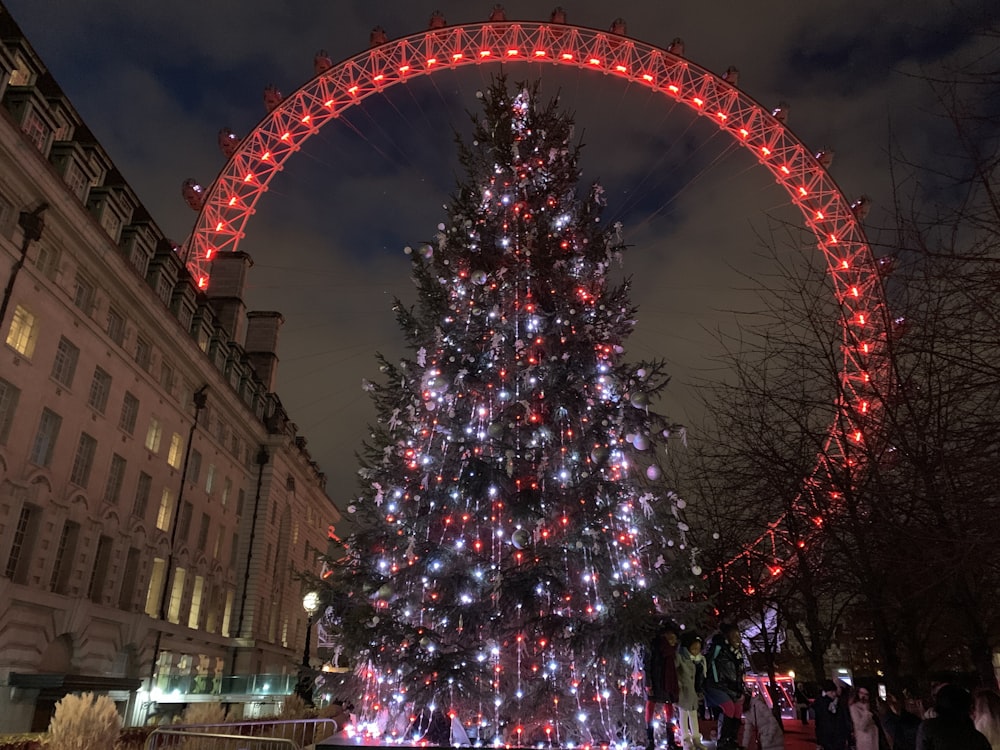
(23, 332)
(130, 412)
(37, 130)
(166, 511)
(47, 260)
(128, 580)
(164, 289)
(6, 215)
(227, 613)
(210, 479)
(153, 435)
(196, 593)
(184, 522)
(65, 553)
(45, 438)
(111, 222)
(19, 559)
(116, 326)
(143, 353)
(64, 365)
(142, 490)
(99, 575)
(155, 587)
(167, 378)
(176, 596)
(139, 259)
(176, 453)
(100, 389)
(76, 181)
(194, 466)
(83, 462)
(83, 294)
(233, 550)
(218, 542)
(227, 487)
(9, 396)
(116, 477)
(203, 532)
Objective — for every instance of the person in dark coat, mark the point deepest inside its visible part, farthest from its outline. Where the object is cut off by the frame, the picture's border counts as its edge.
(952, 727)
(660, 671)
(724, 686)
(833, 721)
(900, 724)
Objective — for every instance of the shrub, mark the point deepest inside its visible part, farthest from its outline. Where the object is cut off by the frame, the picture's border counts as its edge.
(84, 722)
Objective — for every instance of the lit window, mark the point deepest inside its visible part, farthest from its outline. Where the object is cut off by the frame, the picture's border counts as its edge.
(196, 593)
(210, 478)
(9, 396)
(83, 462)
(166, 511)
(155, 587)
(37, 130)
(64, 365)
(153, 435)
(227, 487)
(23, 332)
(100, 389)
(176, 595)
(227, 613)
(176, 452)
(45, 439)
(130, 412)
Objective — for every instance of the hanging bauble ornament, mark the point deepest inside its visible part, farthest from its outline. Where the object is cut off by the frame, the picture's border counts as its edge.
(640, 400)
(681, 504)
(520, 539)
(696, 569)
(630, 438)
(495, 430)
(715, 535)
(599, 455)
(478, 277)
(641, 442)
(683, 526)
(408, 250)
(641, 373)
(352, 508)
(385, 591)
(425, 642)
(652, 472)
(426, 251)
(430, 405)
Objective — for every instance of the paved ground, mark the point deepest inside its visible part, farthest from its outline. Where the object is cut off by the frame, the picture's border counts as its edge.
(797, 737)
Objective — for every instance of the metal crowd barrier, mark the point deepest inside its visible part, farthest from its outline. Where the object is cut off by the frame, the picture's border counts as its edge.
(294, 734)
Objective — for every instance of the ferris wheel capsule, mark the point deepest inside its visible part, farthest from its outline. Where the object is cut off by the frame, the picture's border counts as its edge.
(229, 142)
(676, 47)
(732, 75)
(272, 97)
(194, 194)
(861, 206)
(437, 20)
(780, 113)
(558, 15)
(825, 157)
(618, 27)
(497, 14)
(321, 62)
(377, 37)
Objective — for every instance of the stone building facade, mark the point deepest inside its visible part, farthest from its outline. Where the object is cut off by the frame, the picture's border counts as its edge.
(156, 503)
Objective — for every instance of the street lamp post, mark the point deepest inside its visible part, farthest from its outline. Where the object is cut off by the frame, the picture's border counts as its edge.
(304, 687)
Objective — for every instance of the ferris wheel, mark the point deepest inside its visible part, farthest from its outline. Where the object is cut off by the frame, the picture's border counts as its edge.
(226, 206)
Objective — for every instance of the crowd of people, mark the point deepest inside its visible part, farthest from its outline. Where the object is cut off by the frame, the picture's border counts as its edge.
(855, 719)
(682, 672)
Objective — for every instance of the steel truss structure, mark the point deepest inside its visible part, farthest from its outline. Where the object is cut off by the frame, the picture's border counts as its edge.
(226, 207)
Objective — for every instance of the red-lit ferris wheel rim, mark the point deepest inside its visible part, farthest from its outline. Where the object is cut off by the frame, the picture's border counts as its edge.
(231, 200)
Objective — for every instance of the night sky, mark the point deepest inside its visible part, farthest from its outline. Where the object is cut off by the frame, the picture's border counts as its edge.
(156, 81)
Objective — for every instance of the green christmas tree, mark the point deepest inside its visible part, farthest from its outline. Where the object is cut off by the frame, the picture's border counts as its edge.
(509, 561)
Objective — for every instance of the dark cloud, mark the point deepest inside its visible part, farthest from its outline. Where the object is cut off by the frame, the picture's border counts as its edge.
(155, 82)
